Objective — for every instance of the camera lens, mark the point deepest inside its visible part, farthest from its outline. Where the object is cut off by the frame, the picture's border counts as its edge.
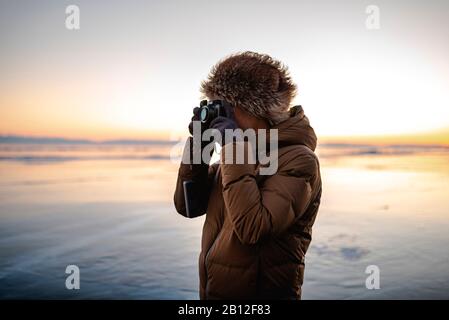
(203, 114)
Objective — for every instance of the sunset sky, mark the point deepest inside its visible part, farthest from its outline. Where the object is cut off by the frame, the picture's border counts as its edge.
(133, 69)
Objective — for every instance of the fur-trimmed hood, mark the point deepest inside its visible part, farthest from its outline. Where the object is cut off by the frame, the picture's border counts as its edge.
(255, 82)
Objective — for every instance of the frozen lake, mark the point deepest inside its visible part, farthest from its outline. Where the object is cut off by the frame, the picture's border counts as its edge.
(108, 210)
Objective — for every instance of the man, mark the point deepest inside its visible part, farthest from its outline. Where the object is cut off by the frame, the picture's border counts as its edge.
(257, 228)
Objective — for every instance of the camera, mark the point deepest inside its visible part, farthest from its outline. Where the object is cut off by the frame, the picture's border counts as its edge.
(211, 110)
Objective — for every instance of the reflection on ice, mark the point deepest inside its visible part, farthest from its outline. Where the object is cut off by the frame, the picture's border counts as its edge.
(108, 209)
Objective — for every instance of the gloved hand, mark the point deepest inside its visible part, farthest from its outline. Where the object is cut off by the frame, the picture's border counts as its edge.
(222, 123)
(195, 117)
(190, 144)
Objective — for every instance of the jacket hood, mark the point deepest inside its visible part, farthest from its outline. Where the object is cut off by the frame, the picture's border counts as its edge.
(296, 130)
(257, 83)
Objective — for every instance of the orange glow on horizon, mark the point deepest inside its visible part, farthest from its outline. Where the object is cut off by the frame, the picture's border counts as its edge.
(440, 137)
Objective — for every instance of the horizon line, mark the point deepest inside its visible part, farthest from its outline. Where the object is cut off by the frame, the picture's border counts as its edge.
(328, 141)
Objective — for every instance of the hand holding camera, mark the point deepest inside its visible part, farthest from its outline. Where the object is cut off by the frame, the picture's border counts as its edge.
(215, 114)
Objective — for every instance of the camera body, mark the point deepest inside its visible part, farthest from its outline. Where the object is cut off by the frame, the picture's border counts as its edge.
(209, 110)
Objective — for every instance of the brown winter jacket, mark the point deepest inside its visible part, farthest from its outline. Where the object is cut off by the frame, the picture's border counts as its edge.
(258, 228)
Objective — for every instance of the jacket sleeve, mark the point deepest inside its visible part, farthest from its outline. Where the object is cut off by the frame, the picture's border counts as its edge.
(256, 211)
(202, 175)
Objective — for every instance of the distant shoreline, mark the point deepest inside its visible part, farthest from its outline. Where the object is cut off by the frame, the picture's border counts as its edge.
(16, 139)
(12, 139)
